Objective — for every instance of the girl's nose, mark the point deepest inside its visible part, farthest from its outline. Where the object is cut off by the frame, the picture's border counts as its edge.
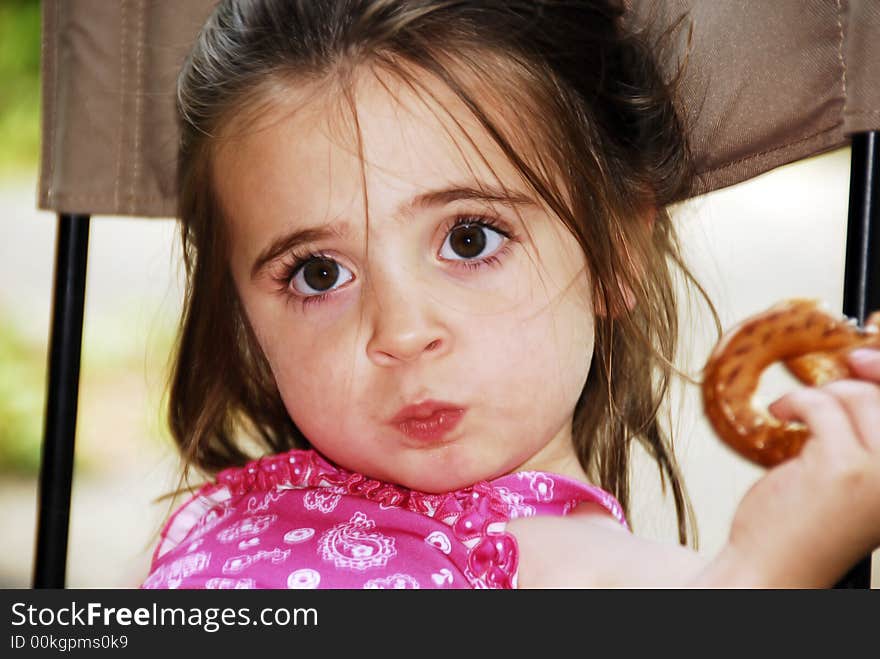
(406, 327)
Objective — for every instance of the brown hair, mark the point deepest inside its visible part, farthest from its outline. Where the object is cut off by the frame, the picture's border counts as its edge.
(593, 112)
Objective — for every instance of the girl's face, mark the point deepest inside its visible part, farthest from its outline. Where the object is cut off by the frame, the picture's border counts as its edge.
(424, 327)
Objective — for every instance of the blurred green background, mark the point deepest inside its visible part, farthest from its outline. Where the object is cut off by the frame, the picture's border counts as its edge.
(23, 350)
(19, 71)
(124, 459)
(21, 400)
(23, 363)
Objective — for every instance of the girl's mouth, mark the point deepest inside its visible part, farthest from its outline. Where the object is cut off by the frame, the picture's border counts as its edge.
(429, 420)
(433, 427)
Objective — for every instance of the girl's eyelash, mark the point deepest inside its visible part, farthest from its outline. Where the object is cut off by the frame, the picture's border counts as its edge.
(289, 270)
(481, 220)
(295, 261)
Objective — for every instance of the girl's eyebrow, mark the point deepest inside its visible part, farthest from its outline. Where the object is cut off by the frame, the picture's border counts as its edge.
(433, 198)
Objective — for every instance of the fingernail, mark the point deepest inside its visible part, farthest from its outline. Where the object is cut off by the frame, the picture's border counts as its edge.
(864, 356)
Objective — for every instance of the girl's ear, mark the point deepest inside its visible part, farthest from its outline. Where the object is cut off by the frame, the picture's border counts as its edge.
(627, 299)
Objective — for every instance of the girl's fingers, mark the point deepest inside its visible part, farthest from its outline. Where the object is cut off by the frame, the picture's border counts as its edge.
(865, 364)
(861, 401)
(822, 413)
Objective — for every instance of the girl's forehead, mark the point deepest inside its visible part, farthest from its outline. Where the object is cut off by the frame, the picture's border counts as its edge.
(386, 139)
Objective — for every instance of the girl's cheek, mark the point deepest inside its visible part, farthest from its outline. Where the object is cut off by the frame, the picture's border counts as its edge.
(504, 289)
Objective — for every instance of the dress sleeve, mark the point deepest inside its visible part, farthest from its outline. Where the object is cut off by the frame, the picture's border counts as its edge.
(199, 513)
(543, 493)
(591, 494)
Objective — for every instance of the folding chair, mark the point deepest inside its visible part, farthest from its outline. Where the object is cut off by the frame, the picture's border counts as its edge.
(806, 80)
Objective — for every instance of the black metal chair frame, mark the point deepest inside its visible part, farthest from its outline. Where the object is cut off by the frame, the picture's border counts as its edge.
(861, 294)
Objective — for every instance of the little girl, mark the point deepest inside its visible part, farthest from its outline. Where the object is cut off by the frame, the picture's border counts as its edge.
(429, 280)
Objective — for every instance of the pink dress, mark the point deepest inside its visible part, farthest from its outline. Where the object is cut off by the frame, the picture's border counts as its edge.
(294, 520)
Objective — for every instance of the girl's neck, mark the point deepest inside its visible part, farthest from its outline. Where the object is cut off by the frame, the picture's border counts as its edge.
(558, 457)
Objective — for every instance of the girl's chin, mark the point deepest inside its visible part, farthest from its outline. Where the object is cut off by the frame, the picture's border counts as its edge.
(452, 469)
(431, 482)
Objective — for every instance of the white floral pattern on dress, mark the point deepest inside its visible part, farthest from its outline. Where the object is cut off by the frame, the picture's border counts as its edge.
(516, 502)
(325, 499)
(248, 526)
(295, 536)
(439, 540)
(247, 544)
(195, 544)
(395, 581)
(213, 518)
(443, 577)
(262, 504)
(236, 564)
(173, 574)
(540, 484)
(354, 545)
(303, 579)
(222, 583)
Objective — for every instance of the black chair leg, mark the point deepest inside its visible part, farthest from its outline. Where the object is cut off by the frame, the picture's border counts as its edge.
(861, 287)
(65, 343)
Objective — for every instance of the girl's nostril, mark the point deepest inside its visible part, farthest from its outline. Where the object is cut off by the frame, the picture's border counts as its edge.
(433, 345)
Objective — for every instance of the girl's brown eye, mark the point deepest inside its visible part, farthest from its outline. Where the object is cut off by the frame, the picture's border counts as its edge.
(470, 241)
(320, 275)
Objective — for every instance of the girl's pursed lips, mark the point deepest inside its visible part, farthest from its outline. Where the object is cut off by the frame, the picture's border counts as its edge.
(432, 429)
(428, 420)
(424, 409)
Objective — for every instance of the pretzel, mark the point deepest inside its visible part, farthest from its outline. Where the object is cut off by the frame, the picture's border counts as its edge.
(812, 344)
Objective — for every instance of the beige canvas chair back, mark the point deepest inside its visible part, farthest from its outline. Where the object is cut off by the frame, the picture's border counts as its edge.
(767, 83)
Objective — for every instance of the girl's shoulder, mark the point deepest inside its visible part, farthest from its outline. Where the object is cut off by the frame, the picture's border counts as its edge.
(215, 500)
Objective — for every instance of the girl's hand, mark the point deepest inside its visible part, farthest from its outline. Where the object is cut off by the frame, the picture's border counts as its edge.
(806, 522)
